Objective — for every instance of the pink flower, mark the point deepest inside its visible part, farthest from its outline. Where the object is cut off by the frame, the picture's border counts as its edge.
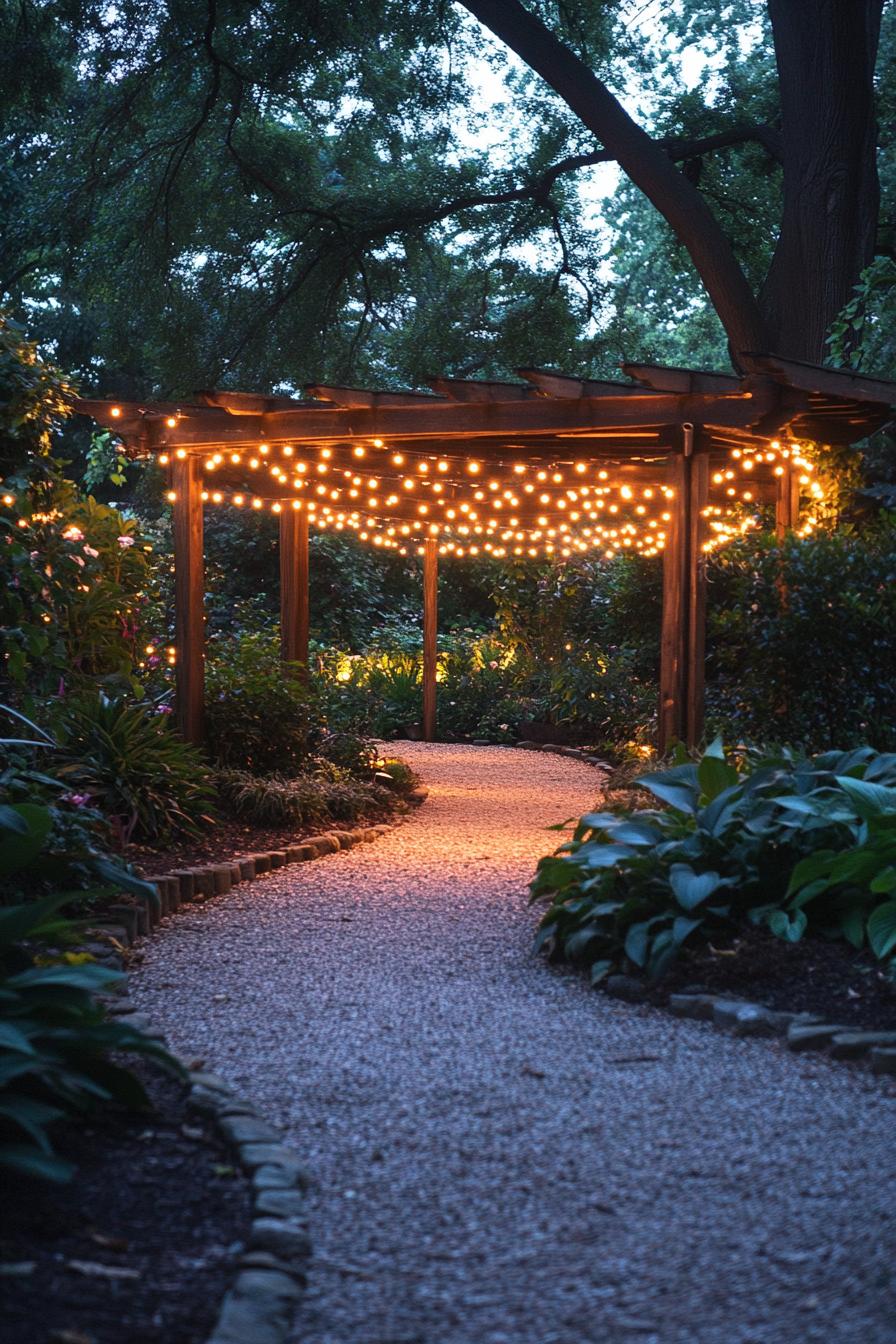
(79, 560)
(73, 533)
(89, 550)
(164, 709)
(125, 542)
(76, 799)
(493, 665)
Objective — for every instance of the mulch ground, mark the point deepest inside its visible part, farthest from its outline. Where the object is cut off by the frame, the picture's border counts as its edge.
(141, 1246)
(228, 839)
(812, 976)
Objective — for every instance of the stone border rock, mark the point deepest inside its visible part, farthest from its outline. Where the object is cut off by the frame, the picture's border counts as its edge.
(552, 749)
(742, 1017)
(125, 922)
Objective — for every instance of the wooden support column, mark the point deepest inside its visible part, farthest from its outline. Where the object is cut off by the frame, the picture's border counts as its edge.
(430, 625)
(695, 668)
(787, 503)
(674, 620)
(294, 609)
(683, 637)
(189, 619)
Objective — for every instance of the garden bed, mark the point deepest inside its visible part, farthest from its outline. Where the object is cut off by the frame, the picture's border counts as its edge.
(830, 979)
(141, 1245)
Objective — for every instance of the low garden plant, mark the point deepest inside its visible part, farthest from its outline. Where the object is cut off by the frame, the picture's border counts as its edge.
(801, 845)
(59, 1051)
(124, 758)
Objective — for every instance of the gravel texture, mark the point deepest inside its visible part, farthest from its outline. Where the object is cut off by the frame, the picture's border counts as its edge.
(498, 1154)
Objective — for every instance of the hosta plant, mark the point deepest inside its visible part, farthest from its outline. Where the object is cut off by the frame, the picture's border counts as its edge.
(797, 844)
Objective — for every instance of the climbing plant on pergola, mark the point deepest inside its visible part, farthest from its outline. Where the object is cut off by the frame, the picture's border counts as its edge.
(553, 465)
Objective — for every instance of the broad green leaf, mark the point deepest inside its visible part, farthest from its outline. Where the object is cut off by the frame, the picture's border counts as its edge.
(678, 787)
(869, 800)
(714, 775)
(882, 929)
(32, 1162)
(18, 850)
(600, 970)
(692, 889)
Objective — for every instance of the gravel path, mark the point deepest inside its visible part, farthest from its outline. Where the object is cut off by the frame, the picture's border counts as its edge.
(499, 1154)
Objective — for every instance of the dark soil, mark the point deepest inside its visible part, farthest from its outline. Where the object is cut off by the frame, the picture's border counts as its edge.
(226, 840)
(155, 1193)
(814, 976)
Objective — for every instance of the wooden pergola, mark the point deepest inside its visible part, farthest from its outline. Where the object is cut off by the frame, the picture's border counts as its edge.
(552, 465)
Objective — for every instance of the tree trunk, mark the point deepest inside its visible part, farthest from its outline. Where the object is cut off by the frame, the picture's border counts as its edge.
(642, 158)
(826, 52)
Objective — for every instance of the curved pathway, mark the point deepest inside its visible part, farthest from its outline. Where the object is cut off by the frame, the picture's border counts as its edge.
(498, 1154)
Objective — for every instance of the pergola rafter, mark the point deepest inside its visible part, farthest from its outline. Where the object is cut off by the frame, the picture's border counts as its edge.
(554, 464)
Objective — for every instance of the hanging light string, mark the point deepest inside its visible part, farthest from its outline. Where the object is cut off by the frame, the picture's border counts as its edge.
(504, 505)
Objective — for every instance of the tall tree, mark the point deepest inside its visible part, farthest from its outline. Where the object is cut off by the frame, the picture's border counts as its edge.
(826, 52)
(253, 194)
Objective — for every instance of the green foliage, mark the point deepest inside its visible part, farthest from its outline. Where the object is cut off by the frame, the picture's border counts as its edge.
(798, 844)
(33, 402)
(106, 461)
(403, 777)
(56, 1042)
(50, 840)
(147, 782)
(801, 639)
(72, 571)
(357, 755)
(324, 794)
(256, 718)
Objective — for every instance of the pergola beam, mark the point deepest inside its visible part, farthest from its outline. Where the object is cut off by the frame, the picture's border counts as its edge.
(552, 384)
(435, 419)
(665, 378)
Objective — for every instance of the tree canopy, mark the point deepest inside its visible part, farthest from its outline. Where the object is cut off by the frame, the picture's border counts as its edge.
(258, 195)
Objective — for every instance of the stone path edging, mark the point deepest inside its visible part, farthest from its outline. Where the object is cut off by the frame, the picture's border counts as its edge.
(743, 1017)
(271, 1268)
(197, 885)
(260, 1304)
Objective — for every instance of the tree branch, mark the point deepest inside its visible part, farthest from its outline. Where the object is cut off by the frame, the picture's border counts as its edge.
(643, 159)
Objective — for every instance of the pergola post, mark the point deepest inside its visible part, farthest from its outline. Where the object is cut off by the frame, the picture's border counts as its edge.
(695, 668)
(189, 618)
(430, 624)
(294, 610)
(683, 634)
(674, 618)
(787, 501)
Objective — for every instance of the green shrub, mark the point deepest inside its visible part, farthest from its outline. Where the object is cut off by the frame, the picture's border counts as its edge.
(812, 661)
(126, 759)
(403, 777)
(357, 755)
(794, 843)
(326, 794)
(50, 839)
(256, 718)
(55, 1038)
